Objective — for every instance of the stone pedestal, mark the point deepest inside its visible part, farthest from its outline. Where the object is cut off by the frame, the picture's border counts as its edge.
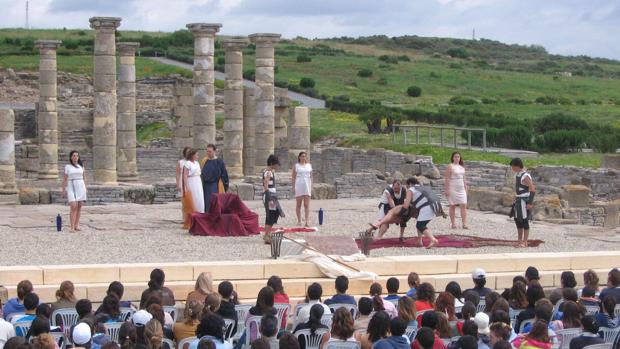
(576, 195)
(249, 135)
(265, 105)
(47, 113)
(8, 189)
(126, 165)
(204, 84)
(298, 133)
(104, 100)
(184, 104)
(233, 107)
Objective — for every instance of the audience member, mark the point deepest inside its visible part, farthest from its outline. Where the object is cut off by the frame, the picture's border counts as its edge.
(392, 285)
(471, 296)
(44, 341)
(407, 311)
(202, 288)
(445, 305)
(342, 328)
(455, 290)
(110, 310)
(489, 300)
(466, 342)
(534, 293)
(280, 296)
(537, 338)
(364, 308)
(65, 297)
(482, 322)
(396, 340)
(499, 331)
(260, 343)
(227, 304)
(7, 330)
(588, 297)
(154, 334)
(117, 289)
(156, 286)
(16, 304)
(518, 296)
(128, 336)
(589, 336)
(443, 327)
(606, 317)
(479, 276)
(31, 301)
(313, 294)
(500, 304)
(503, 345)
(38, 326)
(191, 319)
(531, 274)
(84, 308)
(425, 297)
(378, 329)
(211, 327)
(288, 341)
(341, 296)
(571, 316)
(590, 279)
(313, 324)
(613, 281)
(378, 303)
(567, 280)
(413, 281)
(427, 339)
(268, 327)
(81, 335)
(467, 313)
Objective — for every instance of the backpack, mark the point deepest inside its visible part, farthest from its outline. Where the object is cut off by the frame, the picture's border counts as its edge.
(432, 200)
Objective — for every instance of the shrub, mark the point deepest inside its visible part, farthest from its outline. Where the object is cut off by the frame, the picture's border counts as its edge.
(389, 59)
(81, 33)
(303, 58)
(220, 61)
(306, 82)
(561, 140)
(249, 74)
(489, 100)
(460, 100)
(547, 100)
(70, 44)
(434, 75)
(518, 101)
(364, 73)
(458, 52)
(404, 58)
(517, 137)
(560, 121)
(414, 91)
(605, 140)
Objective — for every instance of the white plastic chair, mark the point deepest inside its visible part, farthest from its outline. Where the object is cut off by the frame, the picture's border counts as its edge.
(525, 323)
(609, 334)
(21, 328)
(167, 344)
(566, 335)
(312, 341)
(411, 332)
(126, 313)
(112, 329)
(229, 326)
(342, 345)
(598, 346)
(172, 310)
(184, 343)
(617, 311)
(252, 329)
(592, 310)
(283, 310)
(12, 315)
(513, 316)
(65, 319)
(242, 314)
(352, 308)
(274, 343)
(326, 320)
(60, 339)
(482, 304)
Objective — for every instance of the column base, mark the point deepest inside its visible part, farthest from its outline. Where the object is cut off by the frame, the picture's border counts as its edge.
(45, 175)
(130, 178)
(9, 199)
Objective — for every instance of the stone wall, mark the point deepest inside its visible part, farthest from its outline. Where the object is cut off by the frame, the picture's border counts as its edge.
(603, 183)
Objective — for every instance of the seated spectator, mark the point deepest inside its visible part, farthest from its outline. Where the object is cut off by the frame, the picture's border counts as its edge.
(503, 345)
(16, 304)
(202, 288)
(65, 297)
(378, 329)
(589, 336)
(392, 285)
(31, 301)
(288, 341)
(268, 327)
(499, 331)
(209, 344)
(445, 305)
(84, 309)
(588, 297)
(571, 317)
(518, 296)
(425, 297)
(396, 340)
(471, 296)
(15, 343)
(211, 327)
(407, 311)
(378, 303)
(128, 337)
(538, 338)
(489, 300)
(413, 281)
(482, 322)
(465, 342)
(154, 334)
(426, 338)
(164, 319)
(44, 310)
(500, 304)
(534, 293)
(342, 328)
(212, 304)
(39, 326)
(502, 317)
(543, 310)
(341, 296)
(191, 319)
(264, 306)
(479, 276)
(313, 324)
(606, 318)
(454, 289)
(260, 343)
(567, 280)
(140, 318)
(590, 279)
(156, 286)
(443, 326)
(313, 294)
(467, 313)
(7, 330)
(117, 289)
(81, 335)
(44, 341)
(613, 281)
(227, 304)
(110, 310)
(279, 296)
(531, 275)
(364, 308)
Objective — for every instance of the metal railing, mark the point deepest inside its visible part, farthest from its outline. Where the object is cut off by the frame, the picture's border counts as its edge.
(415, 130)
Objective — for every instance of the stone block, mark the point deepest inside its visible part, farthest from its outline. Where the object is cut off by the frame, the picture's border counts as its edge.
(29, 196)
(182, 288)
(235, 270)
(12, 275)
(547, 207)
(244, 190)
(44, 197)
(490, 263)
(575, 195)
(484, 199)
(543, 261)
(323, 191)
(590, 260)
(424, 264)
(380, 266)
(54, 275)
(291, 269)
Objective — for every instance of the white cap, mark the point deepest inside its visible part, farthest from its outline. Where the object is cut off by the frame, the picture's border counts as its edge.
(81, 333)
(478, 273)
(482, 321)
(141, 317)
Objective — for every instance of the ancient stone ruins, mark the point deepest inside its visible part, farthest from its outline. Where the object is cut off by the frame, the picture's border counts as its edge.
(99, 118)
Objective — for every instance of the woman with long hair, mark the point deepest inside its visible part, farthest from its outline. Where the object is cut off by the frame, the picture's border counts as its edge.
(518, 296)
(378, 328)
(407, 311)
(153, 334)
(65, 297)
(109, 310)
(425, 296)
(156, 287)
(191, 319)
(378, 303)
(211, 327)
(280, 295)
(212, 304)
(343, 329)
(128, 336)
(74, 188)
(456, 188)
(590, 278)
(202, 288)
(192, 183)
(313, 324)
(537, 338)
(445, 305)
(571, 316)
(179, 179)
(302, 186)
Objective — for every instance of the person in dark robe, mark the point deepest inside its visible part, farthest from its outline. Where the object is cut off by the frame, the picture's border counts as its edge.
(214, 175)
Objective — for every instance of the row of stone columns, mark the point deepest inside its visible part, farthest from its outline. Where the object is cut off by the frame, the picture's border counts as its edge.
(8, 189)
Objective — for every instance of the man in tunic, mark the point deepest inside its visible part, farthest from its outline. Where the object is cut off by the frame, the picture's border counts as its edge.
(214, 175)
(524, 201)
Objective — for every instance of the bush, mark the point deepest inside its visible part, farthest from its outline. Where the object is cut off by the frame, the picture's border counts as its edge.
(307, 83)
(547, 100)
(220, 61)
(414, 91)
(458, 52)
(460, 100)
(364, 73)
(434, 75)
(404, 58)
(560, 121)
(389, 59)
(303, 58)
(518, 101)
(489, 101)
(605, 140)
(561, 140)
(81, 33)
(249, 74)
(70, 44)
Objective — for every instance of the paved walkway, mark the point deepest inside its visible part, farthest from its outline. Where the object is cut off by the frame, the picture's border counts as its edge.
(307, 101)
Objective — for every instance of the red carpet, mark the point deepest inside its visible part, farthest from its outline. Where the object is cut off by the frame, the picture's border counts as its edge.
(455, 240)
(292, 229)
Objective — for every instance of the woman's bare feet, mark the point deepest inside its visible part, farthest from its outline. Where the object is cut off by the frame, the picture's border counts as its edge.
(453, 226)
(465, 226)
(433, 243)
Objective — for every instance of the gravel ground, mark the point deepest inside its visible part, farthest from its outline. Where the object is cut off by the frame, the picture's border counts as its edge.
(131, 233)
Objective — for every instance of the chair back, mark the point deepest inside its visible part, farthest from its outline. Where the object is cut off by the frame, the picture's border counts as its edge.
(22, 328)
(598, 346)
(525, 323)
(112, 330)
(229, 326)
(556, 309)
(298, 307)
(513, 315)
(609, 334)
(482, 305)
(60, 339)
(274, 343)
(592, 309)
(185, 342)
(172, 310)
(566, 335)
(12, 315)
(242, 314)
(283, 310)
(252, 329)
(167, 344)
(126, 313)
(411, 332)
(326, 320)
(311, 341)
(342, 345)
(65, 319)
(617, 311)
(352, 308)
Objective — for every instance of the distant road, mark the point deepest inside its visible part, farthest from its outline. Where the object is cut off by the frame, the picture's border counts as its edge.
(307, 101)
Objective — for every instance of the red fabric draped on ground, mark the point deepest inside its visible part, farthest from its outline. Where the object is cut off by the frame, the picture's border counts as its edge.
(227, 216)
(292, 229)
(455, 240)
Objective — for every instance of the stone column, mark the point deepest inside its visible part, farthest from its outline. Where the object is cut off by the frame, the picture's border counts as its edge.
(47, 113)
(298, 133)
(249, 136)
(104, 100)
(126, 165)
(282, 104)
(265, 106)
(204, 84)
(184, 103)
(233, 106)
(8, 189)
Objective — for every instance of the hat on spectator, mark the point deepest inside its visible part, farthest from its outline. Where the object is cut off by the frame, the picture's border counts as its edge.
(482, 321)
(141, 317)
(478, 273)
(81, 333)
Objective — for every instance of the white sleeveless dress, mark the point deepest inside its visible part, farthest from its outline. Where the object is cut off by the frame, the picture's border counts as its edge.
(76, 188)
(303, 181)
(194, 183)
(458, 195)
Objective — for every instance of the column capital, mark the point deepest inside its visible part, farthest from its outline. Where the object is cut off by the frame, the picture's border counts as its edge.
(47, 44)
(235, 44)
(204, 29)
(105, 22)
(265, 38)
(127, 48)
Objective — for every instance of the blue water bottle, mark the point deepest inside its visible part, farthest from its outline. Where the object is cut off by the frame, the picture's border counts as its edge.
(320, 216)
(58, 223)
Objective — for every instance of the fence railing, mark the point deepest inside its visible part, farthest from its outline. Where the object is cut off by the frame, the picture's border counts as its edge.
(415, 131)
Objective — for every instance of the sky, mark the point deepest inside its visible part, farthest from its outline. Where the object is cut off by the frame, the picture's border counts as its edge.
(568, 27)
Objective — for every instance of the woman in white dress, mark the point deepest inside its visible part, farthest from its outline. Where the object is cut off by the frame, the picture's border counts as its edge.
(456, 188)
(74, 188)
(193, 183)
(302, 185)
(179, 178)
